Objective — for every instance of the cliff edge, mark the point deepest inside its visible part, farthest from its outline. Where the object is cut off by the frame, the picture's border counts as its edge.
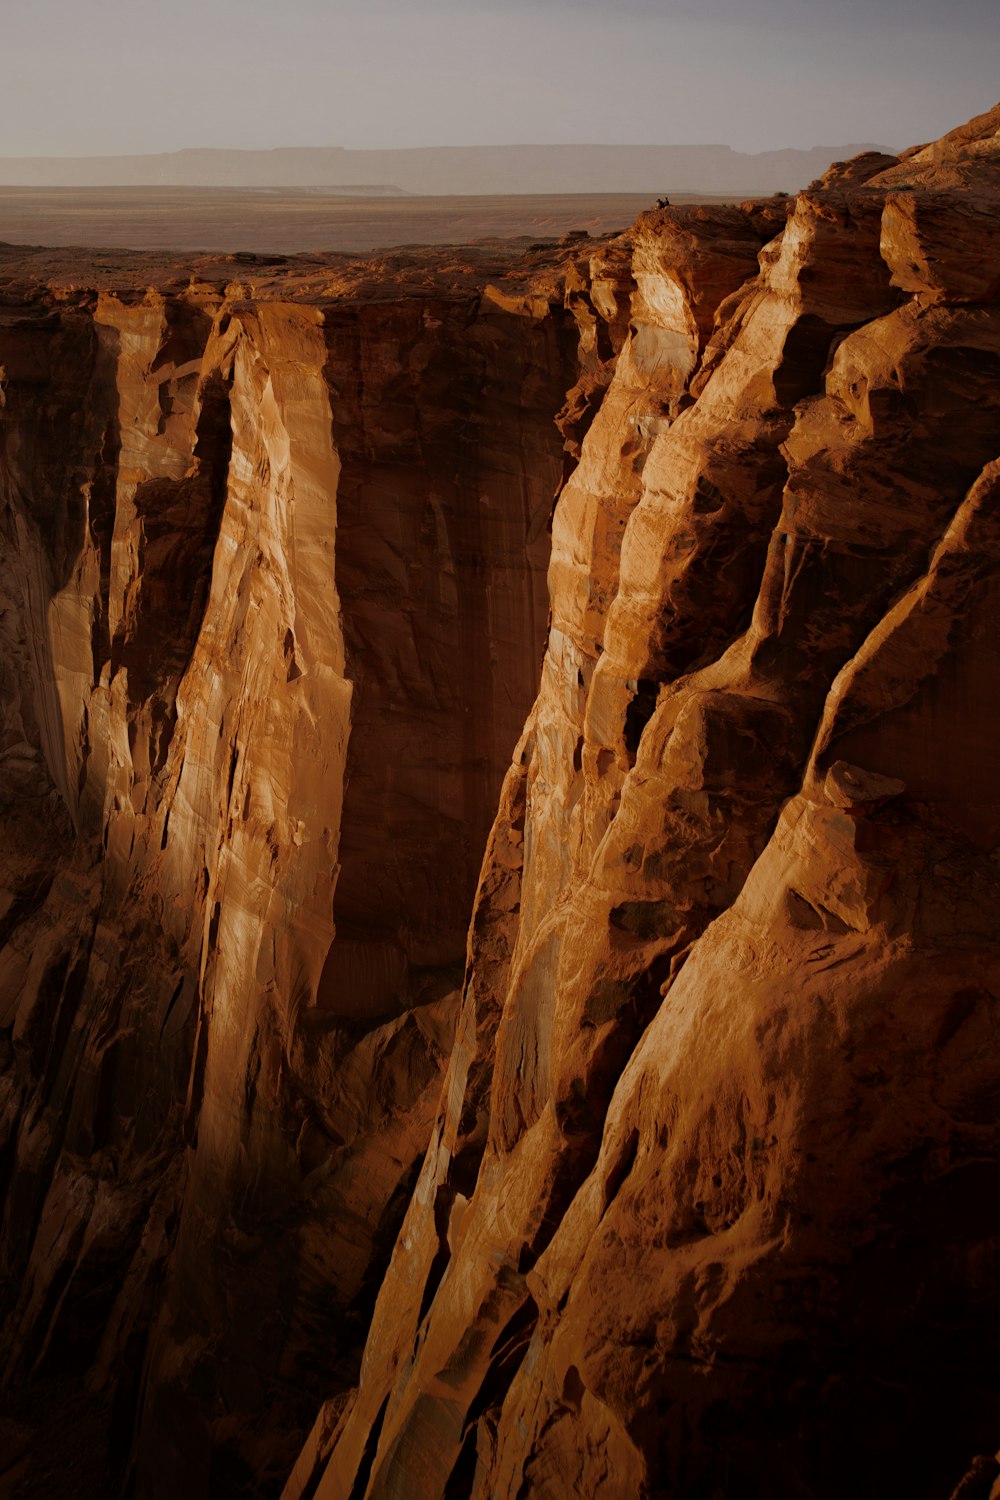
(710, 1205)
(677, 1172)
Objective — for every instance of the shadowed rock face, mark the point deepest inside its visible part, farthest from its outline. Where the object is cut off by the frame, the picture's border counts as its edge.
(710, 1202)
(273, 603)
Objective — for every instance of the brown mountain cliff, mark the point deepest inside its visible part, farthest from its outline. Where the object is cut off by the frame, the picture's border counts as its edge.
(709, 1202)
(709, 1206)
(274, 554)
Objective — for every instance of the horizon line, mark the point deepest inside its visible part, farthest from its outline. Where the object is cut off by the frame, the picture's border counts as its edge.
(479, 146)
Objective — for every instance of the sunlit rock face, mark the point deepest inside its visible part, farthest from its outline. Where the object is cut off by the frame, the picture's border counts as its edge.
(273, 603)
(677, 1172)
(710, 1204)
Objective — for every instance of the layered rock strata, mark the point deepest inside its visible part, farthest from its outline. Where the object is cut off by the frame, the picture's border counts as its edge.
(274, 540)
(710, 1201)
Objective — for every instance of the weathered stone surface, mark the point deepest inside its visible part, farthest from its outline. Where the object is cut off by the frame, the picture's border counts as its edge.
(273, 603)
(709, 1206)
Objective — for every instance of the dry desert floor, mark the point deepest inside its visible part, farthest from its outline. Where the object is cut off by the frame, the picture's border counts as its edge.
(287, 221)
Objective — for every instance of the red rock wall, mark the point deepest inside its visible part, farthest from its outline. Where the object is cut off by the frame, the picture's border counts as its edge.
(273, 603)
(710, 1202)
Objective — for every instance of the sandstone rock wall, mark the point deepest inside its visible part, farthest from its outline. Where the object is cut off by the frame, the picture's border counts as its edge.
(709, 1201)
(709, 1206)
(273, 603)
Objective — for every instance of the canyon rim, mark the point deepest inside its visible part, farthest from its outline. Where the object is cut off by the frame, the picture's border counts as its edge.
(654, 1152)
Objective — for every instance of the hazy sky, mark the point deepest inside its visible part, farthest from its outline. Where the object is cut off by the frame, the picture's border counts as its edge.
(80, 77)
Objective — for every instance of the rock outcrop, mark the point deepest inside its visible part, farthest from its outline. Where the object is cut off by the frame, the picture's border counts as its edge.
(686, 1183)
(274, 543)
(710, 1203)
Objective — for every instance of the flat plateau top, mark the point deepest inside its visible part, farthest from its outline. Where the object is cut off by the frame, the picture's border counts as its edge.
(290, 221)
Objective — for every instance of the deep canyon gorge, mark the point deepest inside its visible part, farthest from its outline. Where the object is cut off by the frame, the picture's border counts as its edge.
(499, 943)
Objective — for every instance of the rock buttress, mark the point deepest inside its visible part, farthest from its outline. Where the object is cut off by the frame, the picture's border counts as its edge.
(710, 1200)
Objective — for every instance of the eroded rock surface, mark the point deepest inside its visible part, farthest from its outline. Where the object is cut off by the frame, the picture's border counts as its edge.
(273, 601)
(710, 1206)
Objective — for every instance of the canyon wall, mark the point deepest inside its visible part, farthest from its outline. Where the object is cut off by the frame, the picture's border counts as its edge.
(710, 1202)
(676, 1173)
(274, 542)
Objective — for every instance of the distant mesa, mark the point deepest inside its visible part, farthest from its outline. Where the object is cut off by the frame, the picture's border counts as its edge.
(360, 190)
(445, 170)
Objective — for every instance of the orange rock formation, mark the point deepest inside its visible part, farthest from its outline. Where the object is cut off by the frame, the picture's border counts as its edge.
(709, 1201)
(273, 604)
